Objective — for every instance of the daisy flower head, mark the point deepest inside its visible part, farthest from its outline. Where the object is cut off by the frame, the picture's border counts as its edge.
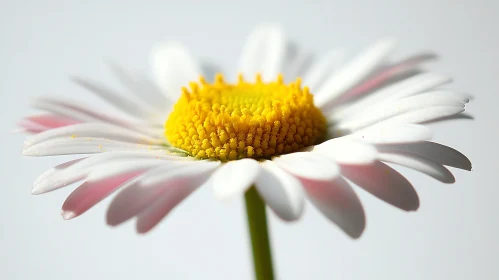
(284, 129)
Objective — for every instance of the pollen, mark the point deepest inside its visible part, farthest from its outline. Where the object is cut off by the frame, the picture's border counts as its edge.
(225, 121)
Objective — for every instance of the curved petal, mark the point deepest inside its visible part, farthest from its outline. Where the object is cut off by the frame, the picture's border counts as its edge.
(308, 165)
(142, 87)
(132, 200)
(264, 52)
(433, 151)
(407, 87)
(393, 133)
(386, 75)
(177, 191)
(79, 169)
(173, 67)
(234, 177)
(387, 110)
(74, 146)
(323, 67)
(356, 70)
(91, 192)
(50, 121)
(97, 130)
(297, 64)
(427, 114)
(188, 172)
(282, 192)
(133, 106)
(76, 111)
(385, 183)
(347, 151)
(420, 164)
(339, 203)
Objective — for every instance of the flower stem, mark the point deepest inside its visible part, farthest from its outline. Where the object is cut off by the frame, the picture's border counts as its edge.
(257, 223)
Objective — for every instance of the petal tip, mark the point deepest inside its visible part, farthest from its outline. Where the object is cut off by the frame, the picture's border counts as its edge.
(68, 215)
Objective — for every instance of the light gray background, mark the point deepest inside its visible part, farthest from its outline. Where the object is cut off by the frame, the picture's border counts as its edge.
(452, 236)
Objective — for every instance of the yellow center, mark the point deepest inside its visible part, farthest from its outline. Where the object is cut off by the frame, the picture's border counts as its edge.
(244, 120)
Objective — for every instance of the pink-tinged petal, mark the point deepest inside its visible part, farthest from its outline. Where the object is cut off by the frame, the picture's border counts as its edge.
(385, 183)
(353, 72)
(385, 76)
(420, 164)
(91, 192)
(339, 203)
(83, 113)
(52, 121)
(141, 192)
(176, 192)
(30, 127)
(433, 151)
(132, 200)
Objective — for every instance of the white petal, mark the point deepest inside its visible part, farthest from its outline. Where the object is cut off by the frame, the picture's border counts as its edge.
(133, 106)
(407, 87)
(390, 109)
(339, 203)
(189, 171)
(74, 111)
(433, 151)
(142, 87)
(393, 133)
(322, 68)
(70, 146)
(110, 169)
(388, 75)
(55, 169)
(385, 183)
(426, 114)
(308, 165)
(347, 151)
(352, 73)
(234, 177)
(264, 52)
(174, 67)
(420, 164)
(282, 192)
(59, 177)
(297, 65)
(96, 130)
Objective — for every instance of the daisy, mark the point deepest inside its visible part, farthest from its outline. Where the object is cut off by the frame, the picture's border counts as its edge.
(258, 134)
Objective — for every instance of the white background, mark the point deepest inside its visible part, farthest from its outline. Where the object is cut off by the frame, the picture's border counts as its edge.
(452, 236)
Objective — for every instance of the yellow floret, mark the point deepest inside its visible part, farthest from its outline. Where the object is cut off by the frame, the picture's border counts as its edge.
(245, 120)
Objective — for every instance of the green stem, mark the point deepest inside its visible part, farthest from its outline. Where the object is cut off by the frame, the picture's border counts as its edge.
(257, 223)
